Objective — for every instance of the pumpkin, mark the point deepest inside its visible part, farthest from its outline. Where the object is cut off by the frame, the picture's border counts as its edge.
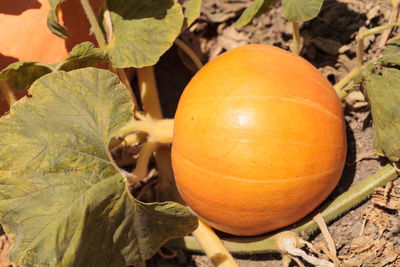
(259, 140)
(25, 36)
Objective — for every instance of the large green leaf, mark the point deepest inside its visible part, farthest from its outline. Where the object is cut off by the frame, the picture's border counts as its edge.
(382, 86)
(301, 10)
(142, 30)
(20, 75)
(52, 20)
(254, 10)
(63, 201)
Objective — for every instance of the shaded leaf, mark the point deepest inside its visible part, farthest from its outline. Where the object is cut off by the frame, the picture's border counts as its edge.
(391, 54)
(52, 20)
(20, 75)
(142, 30)
(84, 55)
(257, 8)
(63, 201)
(191, 11)
(300, 10)
(382, 88)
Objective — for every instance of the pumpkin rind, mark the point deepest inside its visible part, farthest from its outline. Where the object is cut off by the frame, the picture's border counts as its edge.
(259, 140)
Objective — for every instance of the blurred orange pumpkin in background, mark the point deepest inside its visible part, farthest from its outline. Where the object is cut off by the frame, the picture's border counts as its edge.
(25, 36)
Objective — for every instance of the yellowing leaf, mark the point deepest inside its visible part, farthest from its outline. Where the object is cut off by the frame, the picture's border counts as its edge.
(63, 201)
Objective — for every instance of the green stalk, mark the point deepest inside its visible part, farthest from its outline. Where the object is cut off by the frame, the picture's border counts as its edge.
(362, 35)
(296, 38)
(329, 212)
(7, 93)
(346, 79)
(360, 54)
(98, 33)
(351, 87)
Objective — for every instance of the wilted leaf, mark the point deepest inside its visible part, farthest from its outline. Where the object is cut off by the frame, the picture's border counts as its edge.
(52, 20)
(254, 10)
(382, 86)
(191, 11)
(63, 201)
(142, 30)
(83, 55)
(391, 54)
(300, 10)
(20, 75)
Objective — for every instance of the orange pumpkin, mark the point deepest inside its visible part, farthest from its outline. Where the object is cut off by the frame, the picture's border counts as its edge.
(259, 140)
(25, 36)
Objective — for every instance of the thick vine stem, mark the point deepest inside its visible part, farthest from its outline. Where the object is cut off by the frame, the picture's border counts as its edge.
(329, 212)
(7, 93)
(346, 79)
(98, 33)
(140, 170)
(351, 87)
(296, 38)
(213, 246)
(121, 72)
(148, 92)
(160, 131)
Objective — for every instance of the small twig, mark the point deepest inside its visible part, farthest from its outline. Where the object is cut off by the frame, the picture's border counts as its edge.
(328, 254)
(297, 260)
(325, 233)
(288, 244)
(192, 55)
(361, 158)
(364, 223)
(393, 17)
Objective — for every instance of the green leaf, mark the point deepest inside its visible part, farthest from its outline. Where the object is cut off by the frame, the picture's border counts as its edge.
(83, 55)
(52, 20)
(142, 30)
(257, 8)
(20, 75)
(391, 54)
(191, 11)
(382, 87)
(63, 201)
(300, 10)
